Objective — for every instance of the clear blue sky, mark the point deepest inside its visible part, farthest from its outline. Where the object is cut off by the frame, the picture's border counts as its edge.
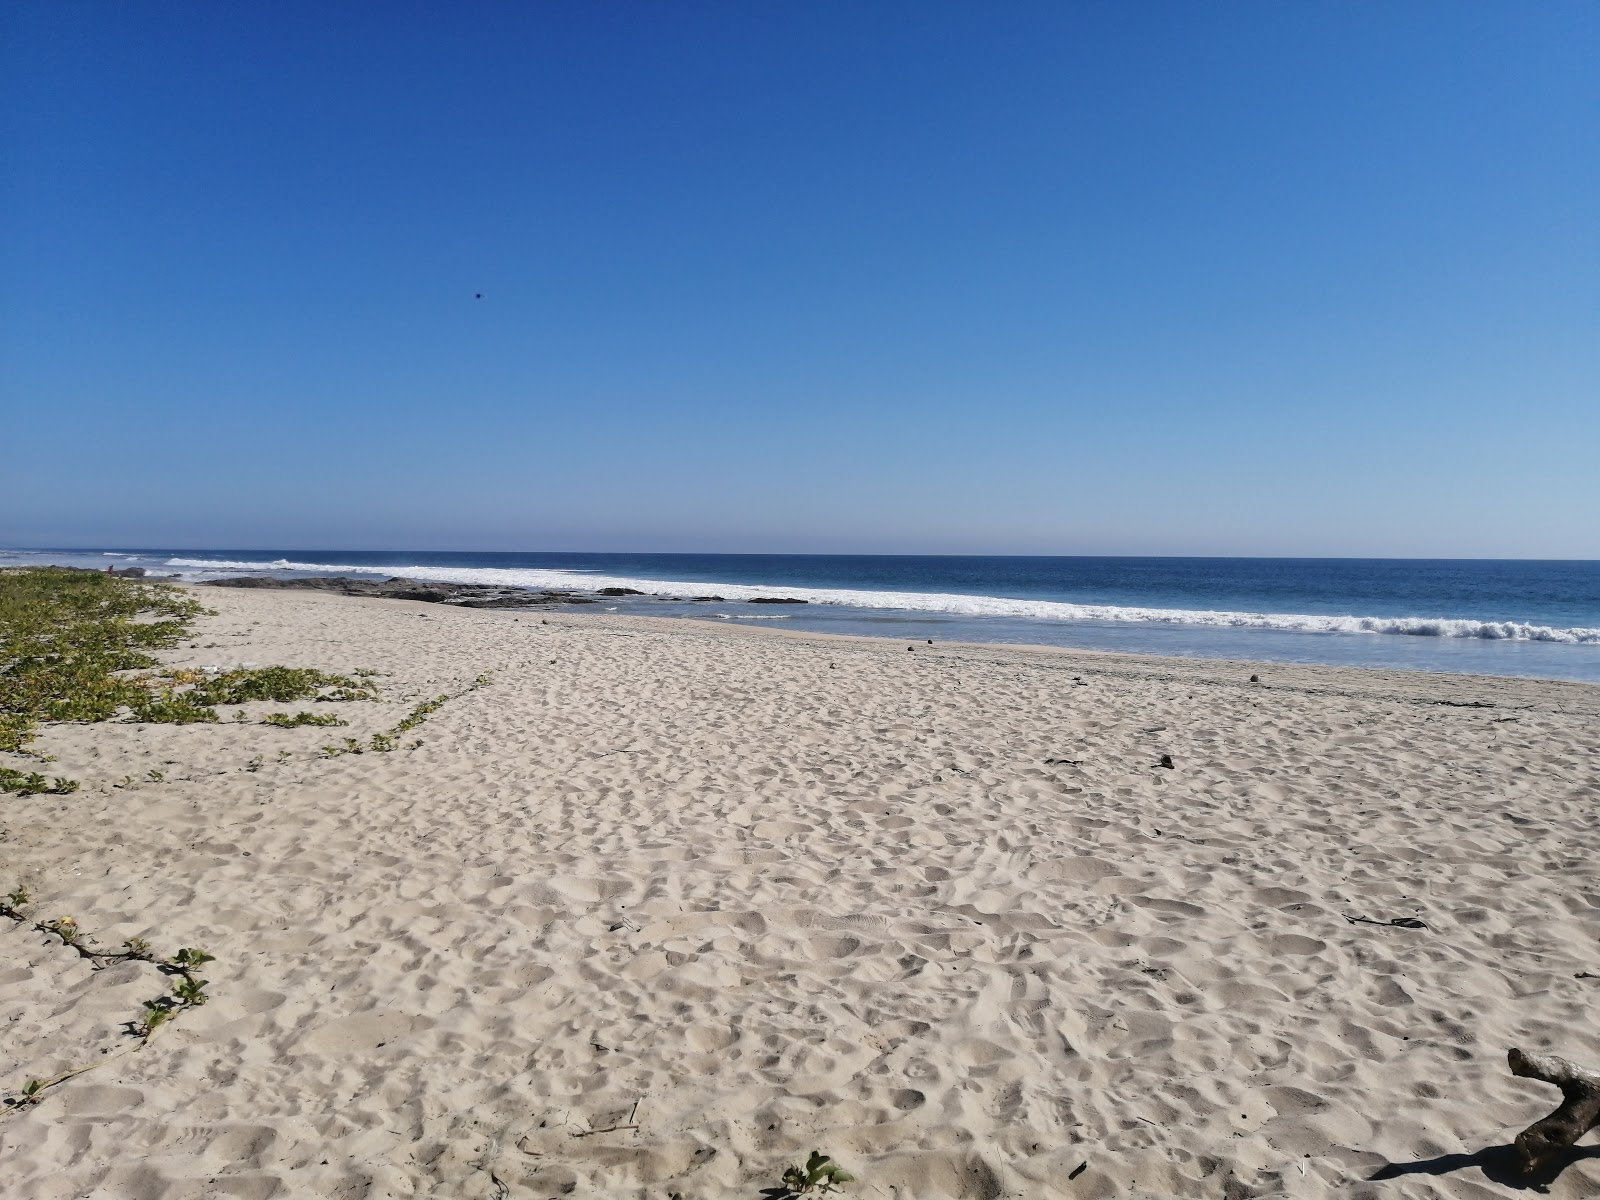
(1249, 278)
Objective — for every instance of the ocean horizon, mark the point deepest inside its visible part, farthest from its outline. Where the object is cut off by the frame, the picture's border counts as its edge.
(1534, 618)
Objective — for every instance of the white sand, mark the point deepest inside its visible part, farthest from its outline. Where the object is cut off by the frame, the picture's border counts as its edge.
(769, 893)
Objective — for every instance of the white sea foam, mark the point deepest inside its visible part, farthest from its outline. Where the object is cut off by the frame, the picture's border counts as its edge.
(939, 602)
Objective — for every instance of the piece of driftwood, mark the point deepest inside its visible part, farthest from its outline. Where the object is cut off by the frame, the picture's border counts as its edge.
(1540, 1142)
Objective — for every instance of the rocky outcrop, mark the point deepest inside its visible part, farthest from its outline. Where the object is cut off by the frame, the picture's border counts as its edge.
(616, 591)
(462, 595)
(119, 572)
(776, 600)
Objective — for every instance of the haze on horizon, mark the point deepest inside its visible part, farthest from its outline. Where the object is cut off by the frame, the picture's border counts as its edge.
(891, 278)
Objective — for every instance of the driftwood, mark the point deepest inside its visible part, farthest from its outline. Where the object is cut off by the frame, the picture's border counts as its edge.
(1540, 1142)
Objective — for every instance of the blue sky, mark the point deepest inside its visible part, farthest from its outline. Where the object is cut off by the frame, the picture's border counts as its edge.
(894, 277)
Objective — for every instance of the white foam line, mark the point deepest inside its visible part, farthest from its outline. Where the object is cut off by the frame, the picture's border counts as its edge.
(973, 606)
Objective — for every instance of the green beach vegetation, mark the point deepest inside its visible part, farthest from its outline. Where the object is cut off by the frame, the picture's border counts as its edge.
(187, 991)
(295, 720)
(389, 740)
(69, 640)
(820, 1175)
(78, 646)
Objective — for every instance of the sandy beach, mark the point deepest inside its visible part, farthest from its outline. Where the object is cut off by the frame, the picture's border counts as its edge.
(666, 905)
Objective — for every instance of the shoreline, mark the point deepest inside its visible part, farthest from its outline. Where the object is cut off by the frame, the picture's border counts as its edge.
(541, 603)
(1307, 678)
(1532, 620)
(1282, 674)
(664, 905)
(1497, 655)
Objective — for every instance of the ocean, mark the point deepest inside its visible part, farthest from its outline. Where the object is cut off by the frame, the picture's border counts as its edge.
(1492, 617)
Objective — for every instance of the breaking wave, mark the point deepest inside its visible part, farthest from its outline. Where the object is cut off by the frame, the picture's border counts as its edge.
(938, 602)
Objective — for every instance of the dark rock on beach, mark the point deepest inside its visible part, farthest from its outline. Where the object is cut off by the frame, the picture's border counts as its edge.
(619, 592)
(462, 595)
(776, 600)
(704, 599)
(119, 572)
(514, 598)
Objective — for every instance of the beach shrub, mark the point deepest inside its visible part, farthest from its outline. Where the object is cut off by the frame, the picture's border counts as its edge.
(170, 708)
(295, 720)
(419, 714)
(31, 783)
(280, 685)
(68, 637)
(819, 1176)
(14, 901)
(188, 990)
(76, 646)
(389, 740)
(358, 692)
(157, 1013)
